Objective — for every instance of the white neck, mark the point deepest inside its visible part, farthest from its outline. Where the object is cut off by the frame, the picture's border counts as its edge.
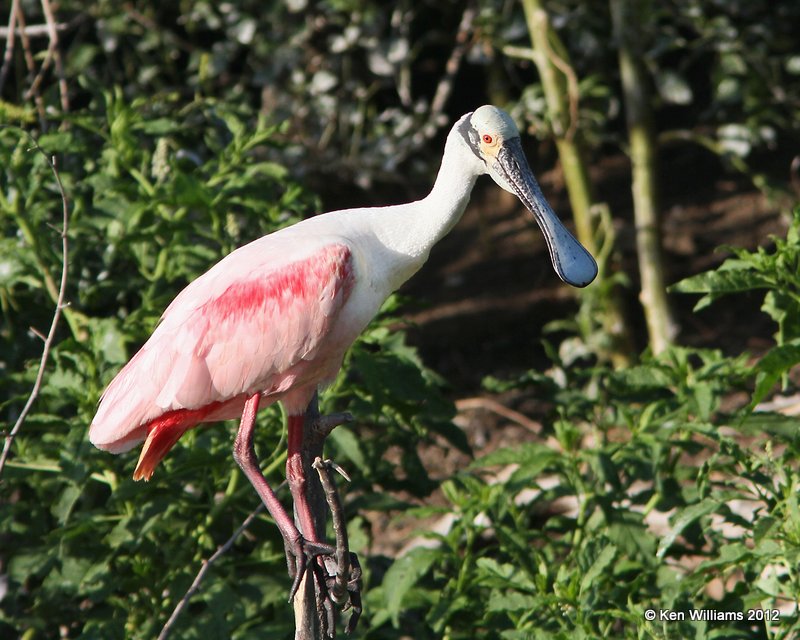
(443, 207)
(412, 229)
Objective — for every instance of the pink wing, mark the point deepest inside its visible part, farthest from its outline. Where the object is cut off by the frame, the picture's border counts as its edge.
(248, 325)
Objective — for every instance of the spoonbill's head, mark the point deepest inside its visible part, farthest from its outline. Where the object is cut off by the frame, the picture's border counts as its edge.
(493, 137)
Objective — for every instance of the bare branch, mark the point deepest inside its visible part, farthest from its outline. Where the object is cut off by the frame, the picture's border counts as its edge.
(31, 65)
(445, 87)
(401, 20)
(9, 52)
(488, 404)
(48, 341)
(435, 120)
(53, 33)
(339, 589)
(573, 92)
(31, 31)
(26, 44)
(206, 565)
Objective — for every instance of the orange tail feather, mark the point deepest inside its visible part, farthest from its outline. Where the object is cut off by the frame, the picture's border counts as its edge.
(162, 434)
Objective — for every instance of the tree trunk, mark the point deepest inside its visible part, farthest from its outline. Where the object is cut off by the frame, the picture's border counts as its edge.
(628, 26)
(552, 62)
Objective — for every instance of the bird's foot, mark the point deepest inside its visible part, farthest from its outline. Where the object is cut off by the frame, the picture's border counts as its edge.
(303, 555)
(337, 583)
(345, 593)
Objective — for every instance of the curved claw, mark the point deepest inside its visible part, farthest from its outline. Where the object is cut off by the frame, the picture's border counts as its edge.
(354, 593)
(304, 552)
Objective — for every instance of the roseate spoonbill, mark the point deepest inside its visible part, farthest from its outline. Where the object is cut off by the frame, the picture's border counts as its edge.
(271, 321)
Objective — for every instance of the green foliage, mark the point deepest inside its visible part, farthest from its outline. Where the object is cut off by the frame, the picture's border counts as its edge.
(159, 191)
(357, 78)
(654, 491)
(775, 271)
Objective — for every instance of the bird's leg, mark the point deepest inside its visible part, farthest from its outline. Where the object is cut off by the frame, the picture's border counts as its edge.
(296, 475)
(245, 455)
(306, 438)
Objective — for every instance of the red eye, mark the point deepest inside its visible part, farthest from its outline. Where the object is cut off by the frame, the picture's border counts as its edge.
(487, 139)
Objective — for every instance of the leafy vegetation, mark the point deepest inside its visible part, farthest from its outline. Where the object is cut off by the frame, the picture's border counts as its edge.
(669, 485)
(652, 492)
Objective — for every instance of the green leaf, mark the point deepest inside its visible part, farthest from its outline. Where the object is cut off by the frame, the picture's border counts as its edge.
(704, 399)
(764, 526)
(772, 366)
(503, 575)
(120, 534)
(158, 126)
(23, 565)
(510, 601)
(403, 575)
(599, 566)
(730, 555)
(348, 443)
(646, 376)
(532, 458)
(734, 276)
(58, 142)
(263, 170)
(63, 507)
(774, 424)
(683, 519)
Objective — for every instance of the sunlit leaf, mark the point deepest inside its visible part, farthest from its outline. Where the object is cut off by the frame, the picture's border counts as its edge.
(683, 519)
(403, 575)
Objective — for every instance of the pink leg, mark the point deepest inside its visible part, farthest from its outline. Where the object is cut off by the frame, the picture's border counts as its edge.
(245, 455)
(297, 477)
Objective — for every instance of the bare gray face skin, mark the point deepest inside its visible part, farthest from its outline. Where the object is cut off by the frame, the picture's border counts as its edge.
(495, 139)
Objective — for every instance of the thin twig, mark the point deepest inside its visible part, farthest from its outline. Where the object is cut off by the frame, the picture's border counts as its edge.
(27, 53)
(31, 31)
(26, 44)
(37, 333)
(445, 87)
(339, 590)
(206, 565)
(33, 90)
(401, 20)
(9, 52)
(48, 342)
(573, 92)
(53, 33)
(489, 404)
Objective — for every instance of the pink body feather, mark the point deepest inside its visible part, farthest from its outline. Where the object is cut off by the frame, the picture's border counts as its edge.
(256, 322)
